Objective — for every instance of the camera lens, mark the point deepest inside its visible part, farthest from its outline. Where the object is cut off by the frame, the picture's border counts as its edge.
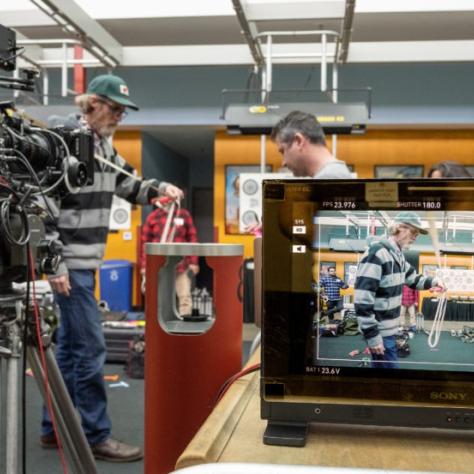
(77, 174)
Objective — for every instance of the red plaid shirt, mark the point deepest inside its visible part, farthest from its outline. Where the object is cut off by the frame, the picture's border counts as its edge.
(409, 296)
(184, 232)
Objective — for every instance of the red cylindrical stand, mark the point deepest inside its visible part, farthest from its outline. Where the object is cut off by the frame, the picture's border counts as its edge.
(183, 373)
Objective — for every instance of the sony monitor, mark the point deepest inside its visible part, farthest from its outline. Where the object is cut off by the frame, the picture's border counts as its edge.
(339, 259)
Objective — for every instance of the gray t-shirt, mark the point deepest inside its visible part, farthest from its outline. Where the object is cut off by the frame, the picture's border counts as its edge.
(334, 170)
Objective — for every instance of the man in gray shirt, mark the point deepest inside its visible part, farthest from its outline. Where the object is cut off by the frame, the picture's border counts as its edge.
(301, 140)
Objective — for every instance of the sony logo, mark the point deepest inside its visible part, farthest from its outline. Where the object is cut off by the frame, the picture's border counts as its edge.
(459, 396)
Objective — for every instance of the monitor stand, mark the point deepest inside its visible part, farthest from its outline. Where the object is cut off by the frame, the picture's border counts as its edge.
(285, 434)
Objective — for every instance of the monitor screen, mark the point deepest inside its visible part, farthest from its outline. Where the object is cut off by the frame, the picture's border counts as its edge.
(354, 307)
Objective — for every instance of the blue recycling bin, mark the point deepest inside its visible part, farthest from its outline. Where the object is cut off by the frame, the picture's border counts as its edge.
(116, 284)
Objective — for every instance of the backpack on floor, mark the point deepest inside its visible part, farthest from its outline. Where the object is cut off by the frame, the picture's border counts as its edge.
(350, 326)
(403, 347)
(135, 364)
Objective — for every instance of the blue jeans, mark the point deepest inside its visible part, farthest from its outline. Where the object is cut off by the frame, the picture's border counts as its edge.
(390, 356)
(80, 355)
(334, 306)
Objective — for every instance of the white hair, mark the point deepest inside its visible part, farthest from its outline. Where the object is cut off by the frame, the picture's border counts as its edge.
(83, 101)
(393, 228)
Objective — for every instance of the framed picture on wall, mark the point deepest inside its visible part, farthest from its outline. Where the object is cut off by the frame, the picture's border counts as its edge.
(350, 270)
(399, 171)
(232, 189)
(429, 270)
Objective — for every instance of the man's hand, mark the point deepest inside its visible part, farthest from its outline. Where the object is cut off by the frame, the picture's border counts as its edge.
(378, 349)
(439, 286)
(143, 280)
(194, 269)
(173, 192)
(254, 229)
(61, 284)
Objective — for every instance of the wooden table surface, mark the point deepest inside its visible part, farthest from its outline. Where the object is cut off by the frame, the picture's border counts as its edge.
(233, 433)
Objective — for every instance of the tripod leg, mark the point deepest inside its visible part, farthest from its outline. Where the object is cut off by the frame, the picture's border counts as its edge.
(11, 447)
(70, 431)
(12, 358)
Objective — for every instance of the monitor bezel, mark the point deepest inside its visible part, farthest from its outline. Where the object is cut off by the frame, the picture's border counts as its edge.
(300, 398)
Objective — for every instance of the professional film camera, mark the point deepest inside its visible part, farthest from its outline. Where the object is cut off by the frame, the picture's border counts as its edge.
(36, 164)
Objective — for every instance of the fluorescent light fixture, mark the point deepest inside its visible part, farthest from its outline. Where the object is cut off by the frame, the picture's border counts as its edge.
(110, 61)
(103, 56)
(43, 6)
(59, 19)
(70, 29)
(98, 51)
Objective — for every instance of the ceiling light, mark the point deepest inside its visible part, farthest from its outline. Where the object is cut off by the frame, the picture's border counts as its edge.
(110, 61)
(59, 19)
(43, 6)
(71, 29)
(98, 51)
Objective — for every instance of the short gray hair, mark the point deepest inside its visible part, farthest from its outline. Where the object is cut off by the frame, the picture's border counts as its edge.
(299, 122)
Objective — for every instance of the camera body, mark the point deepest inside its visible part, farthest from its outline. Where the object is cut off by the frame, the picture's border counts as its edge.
(14, 257)
(81, 145)
(51, 153)
(35, 163)
(7, 49)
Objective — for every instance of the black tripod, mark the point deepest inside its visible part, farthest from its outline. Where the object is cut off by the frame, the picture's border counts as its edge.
(13, 317)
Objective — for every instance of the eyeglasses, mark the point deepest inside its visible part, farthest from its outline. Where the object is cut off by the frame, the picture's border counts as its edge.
(414, 232)
(115, 109)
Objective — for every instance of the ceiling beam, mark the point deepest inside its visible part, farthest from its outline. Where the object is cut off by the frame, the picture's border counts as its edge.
(93, 36)
(412, 6)
(249, 32)
(346, 31)
(411, 51)
(22, 18)
(295, 10)
(228, 55)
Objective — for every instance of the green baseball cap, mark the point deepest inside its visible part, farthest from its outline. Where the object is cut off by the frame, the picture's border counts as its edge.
(412, 219)
(112, 87)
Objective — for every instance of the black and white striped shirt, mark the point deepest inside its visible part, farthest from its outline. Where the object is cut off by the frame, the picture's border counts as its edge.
(381, 274)
(82, 219)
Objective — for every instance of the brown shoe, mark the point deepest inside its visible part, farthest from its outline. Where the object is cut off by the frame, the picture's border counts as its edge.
(48, 441)
(116, 451)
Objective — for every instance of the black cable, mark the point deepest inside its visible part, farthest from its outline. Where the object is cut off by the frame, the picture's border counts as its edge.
(7, 230)
(5, 219)
(225, 386)
(248, 85)
(22, 158)
(252, 85)
(310, 76)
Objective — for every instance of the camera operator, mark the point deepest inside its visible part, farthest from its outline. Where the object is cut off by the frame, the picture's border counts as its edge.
(80, 229)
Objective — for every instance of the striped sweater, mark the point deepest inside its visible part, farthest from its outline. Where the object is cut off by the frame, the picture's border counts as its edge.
(81, 222)
(381, 274)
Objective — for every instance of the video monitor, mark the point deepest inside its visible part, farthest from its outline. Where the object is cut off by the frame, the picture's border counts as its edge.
(339, 259)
